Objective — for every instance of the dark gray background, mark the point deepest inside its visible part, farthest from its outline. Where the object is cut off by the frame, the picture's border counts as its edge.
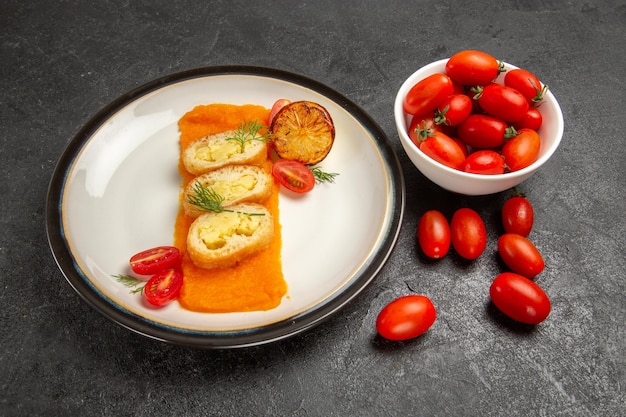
(62, 61)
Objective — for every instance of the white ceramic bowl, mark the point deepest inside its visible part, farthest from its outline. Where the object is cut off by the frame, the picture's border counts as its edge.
(550, 132)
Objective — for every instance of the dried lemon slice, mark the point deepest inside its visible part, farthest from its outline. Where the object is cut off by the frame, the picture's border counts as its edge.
(303, 131)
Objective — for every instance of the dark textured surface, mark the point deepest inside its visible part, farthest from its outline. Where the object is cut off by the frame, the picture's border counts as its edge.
(62, 61)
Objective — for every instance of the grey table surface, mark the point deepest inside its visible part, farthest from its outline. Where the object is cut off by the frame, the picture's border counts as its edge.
(64, 60)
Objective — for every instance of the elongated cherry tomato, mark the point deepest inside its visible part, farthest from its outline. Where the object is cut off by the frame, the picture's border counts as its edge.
(503, 102)
(532, 120)
(521, 150)
(486, 162)
(278, 104)
(293, 175)
(519, 298)
(163, 287)
(454, 109)
(427, 94)
(471, 67)
(433, 234)
(518, 216)
(468, 233)
(151, 261)
(443, 149)
(520, 254)
(527, 84)
(483, 131)
(406, 317)
(421, 125)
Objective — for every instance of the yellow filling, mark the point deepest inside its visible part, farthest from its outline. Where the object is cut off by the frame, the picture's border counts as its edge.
(231, 190)
(218, 151)
(223, 226)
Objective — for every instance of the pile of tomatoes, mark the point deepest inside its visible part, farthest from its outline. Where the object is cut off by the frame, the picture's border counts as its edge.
(513, 292)
(465, 120)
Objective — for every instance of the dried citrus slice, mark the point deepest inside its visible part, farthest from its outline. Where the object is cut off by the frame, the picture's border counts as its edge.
(303, 131)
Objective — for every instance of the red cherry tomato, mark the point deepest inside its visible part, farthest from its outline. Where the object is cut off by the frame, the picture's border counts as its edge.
(468, 233)
(443, 149)
(421, 125)
(163, 287)
(484, 162)
(520, 254)
(454, 109)
(519, 298)
(503, 102)
(472, 67)
(293, 175)
(526, 83)
(433, 234)
(151, 261)
(427, 94)
(532, 120)
(518, 216)
(521, 150)
(278, 104)
(406, 317)
(482, 131)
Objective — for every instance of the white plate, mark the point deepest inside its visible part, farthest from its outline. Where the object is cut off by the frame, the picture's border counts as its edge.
(115, 192)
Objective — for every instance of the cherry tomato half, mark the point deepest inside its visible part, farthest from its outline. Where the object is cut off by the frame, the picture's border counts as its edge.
(151, 261)
(519, 298)
(278, 104)
(521, 150)
(520, 254)
(443, 149)
(526, 83)
(503, 102)
(482, 131)
(518, 216)
(427, 94)
(471, 67)
(468, 233)
(163, 287)
(293, 175)
(486, 162)
(406, 317)
(433, 234)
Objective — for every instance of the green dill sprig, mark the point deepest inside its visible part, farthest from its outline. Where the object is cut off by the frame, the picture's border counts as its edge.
(321, 176)
(248, 132)
(205, 198)
(135, 285)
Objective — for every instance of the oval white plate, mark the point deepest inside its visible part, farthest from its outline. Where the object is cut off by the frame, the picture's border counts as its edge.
(115, 192)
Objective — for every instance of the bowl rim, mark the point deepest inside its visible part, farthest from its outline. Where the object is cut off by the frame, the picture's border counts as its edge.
(399, 117)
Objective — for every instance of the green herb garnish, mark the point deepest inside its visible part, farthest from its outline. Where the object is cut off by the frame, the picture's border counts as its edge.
(249, 132)
(321, 176)
(205, 198)
(136, 285)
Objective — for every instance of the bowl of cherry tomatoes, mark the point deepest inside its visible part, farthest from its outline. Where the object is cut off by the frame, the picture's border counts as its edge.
(475, 125)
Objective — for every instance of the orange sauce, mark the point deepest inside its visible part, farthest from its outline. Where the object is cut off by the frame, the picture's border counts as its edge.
(257, 282)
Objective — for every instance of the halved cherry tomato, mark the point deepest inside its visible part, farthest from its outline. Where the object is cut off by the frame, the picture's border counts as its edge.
(472, 67)
(427, 94)
(278, 104)
(483, 131)
(443, 149)
(293, 175)
(153, 260)
(520, 254)
(503, 102)
(433, 234)
(521, 150)
(468, 233)
(519, 298)
(527, 84)
(454, 109)
(163, 287)
(532, 120)
(406, 317)
(485, 161)
(518, 216)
